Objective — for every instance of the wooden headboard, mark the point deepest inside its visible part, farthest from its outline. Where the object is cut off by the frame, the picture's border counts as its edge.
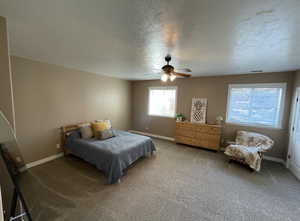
(67, 129)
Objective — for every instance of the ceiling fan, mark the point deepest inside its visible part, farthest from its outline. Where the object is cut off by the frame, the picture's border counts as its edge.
(170, 73)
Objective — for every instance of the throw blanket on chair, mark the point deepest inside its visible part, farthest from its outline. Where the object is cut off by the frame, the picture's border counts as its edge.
(248, 148)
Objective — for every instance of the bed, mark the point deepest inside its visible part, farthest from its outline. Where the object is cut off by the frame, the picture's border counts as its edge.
(112, 155)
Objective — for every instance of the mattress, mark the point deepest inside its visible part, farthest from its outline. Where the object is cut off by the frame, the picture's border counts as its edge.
(112, 155)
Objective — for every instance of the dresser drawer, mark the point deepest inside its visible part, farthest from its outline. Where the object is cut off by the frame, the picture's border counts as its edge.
(213, 141)
(208, 130)
(187, 126)
(185, 133)
(201, 135)
(214, 145)
(186, 140)
(214, 130)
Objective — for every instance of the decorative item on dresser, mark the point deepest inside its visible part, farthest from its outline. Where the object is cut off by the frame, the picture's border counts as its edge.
(179, 117)
(199, 135)
(198, 113)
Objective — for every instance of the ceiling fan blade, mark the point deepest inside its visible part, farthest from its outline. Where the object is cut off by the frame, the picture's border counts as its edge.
(182, 74)
(184, 69)
(152, 75)
(156, 69)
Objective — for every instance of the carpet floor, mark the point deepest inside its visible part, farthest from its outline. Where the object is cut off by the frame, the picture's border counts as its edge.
(178, 183)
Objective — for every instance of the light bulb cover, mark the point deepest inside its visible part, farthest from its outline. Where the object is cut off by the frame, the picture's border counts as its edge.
(172, 77)
(164, 77)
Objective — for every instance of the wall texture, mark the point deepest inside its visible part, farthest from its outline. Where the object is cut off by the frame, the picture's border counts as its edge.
(297, 79)
(6, 87)
(215, 89)
(6, 106)
(6, 96)
(296, 85)
(49, 96)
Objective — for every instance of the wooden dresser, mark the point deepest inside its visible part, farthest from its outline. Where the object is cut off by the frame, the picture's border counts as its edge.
(199, 135)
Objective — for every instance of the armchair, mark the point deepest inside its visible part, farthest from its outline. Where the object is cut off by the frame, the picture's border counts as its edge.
(248, 148)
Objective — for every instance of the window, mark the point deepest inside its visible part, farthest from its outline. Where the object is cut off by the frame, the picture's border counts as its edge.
(256, 104)
(162, 101)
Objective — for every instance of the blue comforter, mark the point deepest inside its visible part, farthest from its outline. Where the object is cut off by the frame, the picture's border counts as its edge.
(112, 155)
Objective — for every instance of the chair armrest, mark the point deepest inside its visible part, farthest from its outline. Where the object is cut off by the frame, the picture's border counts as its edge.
(229, 142)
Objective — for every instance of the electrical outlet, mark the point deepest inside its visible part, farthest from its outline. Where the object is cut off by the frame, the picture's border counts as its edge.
(58, 146)
(18, 159)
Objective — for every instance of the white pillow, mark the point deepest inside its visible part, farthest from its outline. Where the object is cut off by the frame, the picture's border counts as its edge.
(86, 130)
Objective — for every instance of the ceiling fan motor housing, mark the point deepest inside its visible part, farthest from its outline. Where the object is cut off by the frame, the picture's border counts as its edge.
(168, 69)
(168, 58)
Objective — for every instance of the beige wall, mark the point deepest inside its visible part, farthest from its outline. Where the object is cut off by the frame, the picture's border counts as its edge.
(297, 79)
(6, 105)
(215, 89)
(6, 97)
(6, 91)
(49, 96)
(296, 85)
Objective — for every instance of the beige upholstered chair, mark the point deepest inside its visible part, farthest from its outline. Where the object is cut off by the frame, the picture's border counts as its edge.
(248, 148)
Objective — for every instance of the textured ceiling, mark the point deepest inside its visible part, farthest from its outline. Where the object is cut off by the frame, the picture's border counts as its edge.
(129, 38)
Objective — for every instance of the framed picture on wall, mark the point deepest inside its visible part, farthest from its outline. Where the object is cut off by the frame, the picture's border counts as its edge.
(198, 113)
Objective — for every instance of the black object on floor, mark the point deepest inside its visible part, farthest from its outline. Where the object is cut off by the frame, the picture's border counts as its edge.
(17, 193)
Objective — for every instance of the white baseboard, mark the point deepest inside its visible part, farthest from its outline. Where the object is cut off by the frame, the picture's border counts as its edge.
(274, 159)
(152, 135)
(42, 161)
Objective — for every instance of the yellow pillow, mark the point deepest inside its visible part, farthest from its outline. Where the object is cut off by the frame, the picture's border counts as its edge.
(99, 127)
(106, 121)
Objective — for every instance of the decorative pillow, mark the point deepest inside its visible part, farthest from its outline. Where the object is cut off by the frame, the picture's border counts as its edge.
(105, 134)
(106, 121)
(86, 131)
(75, 134)
(99, 127)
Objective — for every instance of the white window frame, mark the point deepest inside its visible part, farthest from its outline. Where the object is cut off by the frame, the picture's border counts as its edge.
(165, 88)
(259, 85)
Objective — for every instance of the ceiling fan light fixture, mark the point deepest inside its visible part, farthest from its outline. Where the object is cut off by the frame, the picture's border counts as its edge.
(164, 77)
(172, 77)
(168, 72)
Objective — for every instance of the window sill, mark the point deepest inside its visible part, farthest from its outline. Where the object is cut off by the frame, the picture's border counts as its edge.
(253, 125)
(160, 116)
